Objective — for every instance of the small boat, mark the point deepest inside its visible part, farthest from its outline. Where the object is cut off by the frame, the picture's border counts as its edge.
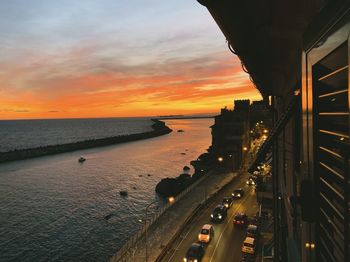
(81, 159)
(108, 216)
(123, 193)
(180, 131)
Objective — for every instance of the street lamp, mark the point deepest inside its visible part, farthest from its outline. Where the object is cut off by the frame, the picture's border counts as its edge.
(220, 159)
(171, 200)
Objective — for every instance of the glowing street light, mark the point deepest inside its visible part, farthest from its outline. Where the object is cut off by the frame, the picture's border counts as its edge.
(220, 159)
(171, 199)
(265, 131)
(245, 148)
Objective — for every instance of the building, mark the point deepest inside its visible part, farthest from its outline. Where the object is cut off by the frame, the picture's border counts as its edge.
(259, 111)
(230, 135)
(297, 54)
(232, 131)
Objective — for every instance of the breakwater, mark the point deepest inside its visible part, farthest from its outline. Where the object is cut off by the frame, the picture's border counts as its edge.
(159, 128)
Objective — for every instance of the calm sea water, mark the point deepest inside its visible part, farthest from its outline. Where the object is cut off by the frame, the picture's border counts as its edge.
(52, 208)
(19, 134)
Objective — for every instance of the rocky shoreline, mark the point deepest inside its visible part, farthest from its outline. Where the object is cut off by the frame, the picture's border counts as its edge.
(159, 129)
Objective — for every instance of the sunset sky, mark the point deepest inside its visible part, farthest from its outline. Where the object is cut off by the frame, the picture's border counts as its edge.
(113, 58)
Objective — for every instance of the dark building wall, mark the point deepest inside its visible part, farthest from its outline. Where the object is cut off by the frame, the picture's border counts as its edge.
(311, 199)
(230, 135)
(313, 148)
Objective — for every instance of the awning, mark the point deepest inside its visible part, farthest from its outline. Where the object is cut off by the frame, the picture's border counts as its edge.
(262, 154)
(267, 37)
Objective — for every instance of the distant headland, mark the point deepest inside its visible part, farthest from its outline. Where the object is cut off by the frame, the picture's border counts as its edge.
(175, 117)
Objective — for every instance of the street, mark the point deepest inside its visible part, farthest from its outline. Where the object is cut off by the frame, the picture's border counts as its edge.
(227, 242)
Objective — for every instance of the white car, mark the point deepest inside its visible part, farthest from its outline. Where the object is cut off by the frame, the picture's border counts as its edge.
(206, 234)
(249, 245)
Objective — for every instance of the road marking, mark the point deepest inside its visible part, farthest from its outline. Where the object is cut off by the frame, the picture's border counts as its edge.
(183, 238)
(198, 217)
(218, 241)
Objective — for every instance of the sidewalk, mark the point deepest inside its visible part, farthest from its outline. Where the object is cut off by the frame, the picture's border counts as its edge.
(161, 232)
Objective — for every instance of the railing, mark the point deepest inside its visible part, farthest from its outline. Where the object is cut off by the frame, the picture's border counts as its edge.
(128, 248)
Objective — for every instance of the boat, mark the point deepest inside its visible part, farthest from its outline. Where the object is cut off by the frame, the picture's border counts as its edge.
(123, 193)
(81, 159)
(180, 130)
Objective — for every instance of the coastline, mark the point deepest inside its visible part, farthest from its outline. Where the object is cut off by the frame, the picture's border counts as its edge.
(159, 129)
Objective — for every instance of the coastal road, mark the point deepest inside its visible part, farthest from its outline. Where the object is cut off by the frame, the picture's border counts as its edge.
(227, 242)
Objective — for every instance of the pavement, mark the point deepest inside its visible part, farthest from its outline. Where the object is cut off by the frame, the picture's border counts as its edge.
(227, 242)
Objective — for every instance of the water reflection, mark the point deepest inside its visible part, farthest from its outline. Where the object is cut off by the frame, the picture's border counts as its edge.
(54, 208)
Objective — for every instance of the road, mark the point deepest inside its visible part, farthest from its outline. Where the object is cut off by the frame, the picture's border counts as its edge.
(227, 242)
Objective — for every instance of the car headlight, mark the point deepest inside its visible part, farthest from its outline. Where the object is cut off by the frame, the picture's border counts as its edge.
(220, 216)
(247, 182)
(239, 195)
(253, 183)
(226, 205)
(185, 259)
(195, 260)
(212, 215)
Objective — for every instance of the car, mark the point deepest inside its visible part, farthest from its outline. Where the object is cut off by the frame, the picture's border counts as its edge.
(219, 213)
(249, 245)
(227, 202)
(206, 234)
(240, 219)
(238, 193)
(253, 231)
(250, 181)
(195, 253)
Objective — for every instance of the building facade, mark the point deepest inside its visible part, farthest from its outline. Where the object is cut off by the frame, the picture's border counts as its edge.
(297, 54)
(230, 135)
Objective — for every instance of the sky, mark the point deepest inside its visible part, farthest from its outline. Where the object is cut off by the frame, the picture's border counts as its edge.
(114, 58)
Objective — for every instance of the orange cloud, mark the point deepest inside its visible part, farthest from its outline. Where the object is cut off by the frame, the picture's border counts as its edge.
(171, 87)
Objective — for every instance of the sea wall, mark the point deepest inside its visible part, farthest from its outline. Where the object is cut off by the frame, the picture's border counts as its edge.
(159, 129)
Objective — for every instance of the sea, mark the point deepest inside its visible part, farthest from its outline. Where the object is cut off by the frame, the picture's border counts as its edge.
(22, 134)
(53, 208)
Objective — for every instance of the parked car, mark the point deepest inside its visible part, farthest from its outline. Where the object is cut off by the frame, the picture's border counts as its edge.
(253, 231)
(249, 245)
(238, 193)
(240, 219)
(248, 258)
(227, 202)
(219, 213)
(206, 234)
(194, 253)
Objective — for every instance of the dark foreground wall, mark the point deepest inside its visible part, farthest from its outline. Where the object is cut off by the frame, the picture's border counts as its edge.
(159, 128)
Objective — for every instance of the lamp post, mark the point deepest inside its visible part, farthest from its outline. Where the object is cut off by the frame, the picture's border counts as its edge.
(171, 200)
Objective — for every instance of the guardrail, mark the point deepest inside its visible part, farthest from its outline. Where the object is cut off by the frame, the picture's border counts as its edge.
(127, 249)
